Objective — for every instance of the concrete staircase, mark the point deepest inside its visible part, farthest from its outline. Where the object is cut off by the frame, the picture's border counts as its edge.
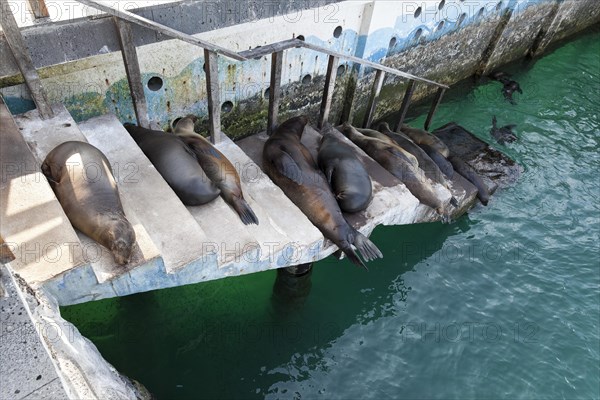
(177, 245)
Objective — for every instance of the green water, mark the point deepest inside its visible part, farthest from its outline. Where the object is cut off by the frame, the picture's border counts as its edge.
(503, 303)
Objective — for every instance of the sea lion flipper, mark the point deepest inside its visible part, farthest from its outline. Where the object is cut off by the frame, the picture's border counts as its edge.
(329, 173)
(367, 248)
(51, 171)
(286, 165)
(242, 208)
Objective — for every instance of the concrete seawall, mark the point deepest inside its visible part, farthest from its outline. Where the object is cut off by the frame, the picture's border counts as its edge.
(445, 41)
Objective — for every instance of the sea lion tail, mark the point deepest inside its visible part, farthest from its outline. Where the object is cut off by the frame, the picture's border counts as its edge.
(367, 248)
(352, 256)
(242, 208)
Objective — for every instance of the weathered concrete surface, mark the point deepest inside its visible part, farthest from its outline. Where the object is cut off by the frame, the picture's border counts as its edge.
(528, 21)
(497, 169)
(572, 16)
(32, 221)
(26, 369)
(45, 357)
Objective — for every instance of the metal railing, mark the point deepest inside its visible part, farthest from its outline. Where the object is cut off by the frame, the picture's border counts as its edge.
(123, 19)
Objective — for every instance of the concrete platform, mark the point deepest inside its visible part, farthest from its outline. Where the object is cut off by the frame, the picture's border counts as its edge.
(26, 368)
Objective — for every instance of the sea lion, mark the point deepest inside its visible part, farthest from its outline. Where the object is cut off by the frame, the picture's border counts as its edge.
(508, 86)
(218, 168)
(85, 187)
(431, 169)
(177, 164)
(472, 176)
(411, 158)
(442, 162)
(420, 137)
(346, 175)
(503, 134)
(290, 165)
(394, 161)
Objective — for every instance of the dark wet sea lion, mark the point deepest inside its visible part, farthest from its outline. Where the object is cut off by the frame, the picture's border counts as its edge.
(345, 173)
(442, 162)
(290, 165)
(388, 156)
(83, 182)
(177, 164)
(420, 136)
(218, 168)
(504, 134)
(472, 176)
(509, 86)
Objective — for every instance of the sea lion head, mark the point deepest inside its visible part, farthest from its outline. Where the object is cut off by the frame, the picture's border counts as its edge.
(185, 125)
(121, 240)
(294, 126)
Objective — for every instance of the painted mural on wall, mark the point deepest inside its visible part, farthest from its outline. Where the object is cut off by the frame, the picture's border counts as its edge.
(400, 34)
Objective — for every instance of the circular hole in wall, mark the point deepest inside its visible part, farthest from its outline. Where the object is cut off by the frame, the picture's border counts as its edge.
(337, 32)
(418, 12)
(227, 107)
(267, 93)
(418, 33)
(498, 6)
(155, 83)
(306, 80)
(341, 70)
(461, 19)
(392, 42)
(300, 37)
(442, 4)
(439, 26)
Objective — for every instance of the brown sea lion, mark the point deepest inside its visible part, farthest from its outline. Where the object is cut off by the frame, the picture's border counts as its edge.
(420, 136)
(218, 168)
(177, 164)
(432, 171)
(83, 182)
(345, 173)
(394, 161)
(290, 165)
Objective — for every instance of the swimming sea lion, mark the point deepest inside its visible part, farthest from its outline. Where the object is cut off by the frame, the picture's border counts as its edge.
(346, 175)
(420, 136)
(503, 134)
(91, 203)
(218, 168)
(290, 165)
(508, 86)
(472, 176)
(177, 164)
(394, 161)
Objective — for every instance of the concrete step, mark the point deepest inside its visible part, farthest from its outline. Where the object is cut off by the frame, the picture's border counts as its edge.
(43, 136)
(285, 234)
(171, 226)
(32, 222)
